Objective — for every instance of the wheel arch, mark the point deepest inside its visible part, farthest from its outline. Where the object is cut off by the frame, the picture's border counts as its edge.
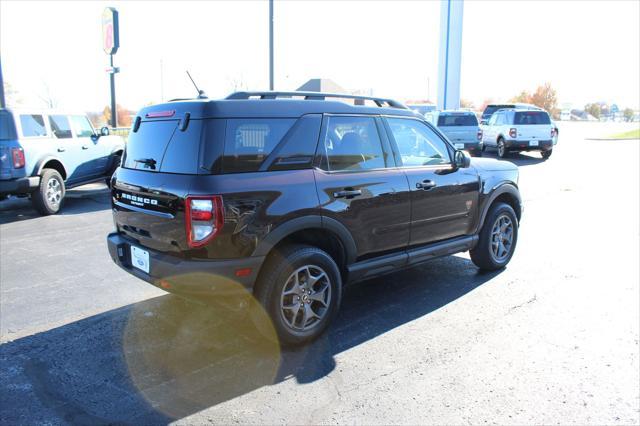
(51, 163)
(506, 193)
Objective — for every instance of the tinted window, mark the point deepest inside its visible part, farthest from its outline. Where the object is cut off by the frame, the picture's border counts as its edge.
(248, 141)
(32, 125)
(457, 120)
(7, 129)
(531, 117)
(182, 153)
(298, 147)
(145, 147)
(353, 143)
(60, 126)
(418, 144)
(82, 126)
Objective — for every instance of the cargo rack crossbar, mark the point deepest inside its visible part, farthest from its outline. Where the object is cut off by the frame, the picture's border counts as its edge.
(316, 96)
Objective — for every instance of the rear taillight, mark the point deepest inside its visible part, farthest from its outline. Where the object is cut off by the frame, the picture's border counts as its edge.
(17, 154)
(513, 133)
(204, 217)
(479, 134)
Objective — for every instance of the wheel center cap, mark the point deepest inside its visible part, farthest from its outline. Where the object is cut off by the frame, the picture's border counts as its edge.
(305, 298)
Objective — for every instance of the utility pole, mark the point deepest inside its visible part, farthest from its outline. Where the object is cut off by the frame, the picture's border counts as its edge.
(2, 102)
(271, 85)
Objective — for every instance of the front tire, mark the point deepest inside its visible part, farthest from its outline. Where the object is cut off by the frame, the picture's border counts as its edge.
(48, 198)
(300, 289)
(497, 239)
(546, 154)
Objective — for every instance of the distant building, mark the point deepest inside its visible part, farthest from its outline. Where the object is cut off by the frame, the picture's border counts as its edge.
(321, 85)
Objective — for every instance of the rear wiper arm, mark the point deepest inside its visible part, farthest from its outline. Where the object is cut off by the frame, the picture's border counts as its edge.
(149, 162)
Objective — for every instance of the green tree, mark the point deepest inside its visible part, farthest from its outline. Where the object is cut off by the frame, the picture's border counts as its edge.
(593, 109)
(628, 114)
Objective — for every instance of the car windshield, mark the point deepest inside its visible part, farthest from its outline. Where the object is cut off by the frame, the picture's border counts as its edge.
(531, 118)
(459, 120)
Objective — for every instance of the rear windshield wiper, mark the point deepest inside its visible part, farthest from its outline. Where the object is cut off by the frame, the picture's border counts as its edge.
(149, 162)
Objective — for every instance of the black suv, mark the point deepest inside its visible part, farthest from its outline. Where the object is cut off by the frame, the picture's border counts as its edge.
(288, 196)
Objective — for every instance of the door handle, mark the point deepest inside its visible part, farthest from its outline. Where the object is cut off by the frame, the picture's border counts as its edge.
(347, 193)
(85, 147)
(61, 149)
(426, 185)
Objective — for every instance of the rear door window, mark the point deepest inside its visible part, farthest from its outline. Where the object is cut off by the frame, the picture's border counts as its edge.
(457, 120)
(32, 125)
(60, 126)
(353, 143)
(248, 142)
(531, 118)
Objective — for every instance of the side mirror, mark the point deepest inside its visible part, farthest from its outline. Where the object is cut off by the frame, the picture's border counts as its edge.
(462, 159)
(104, 131)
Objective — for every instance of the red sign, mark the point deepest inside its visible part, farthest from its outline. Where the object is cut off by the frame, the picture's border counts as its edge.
(110, 31)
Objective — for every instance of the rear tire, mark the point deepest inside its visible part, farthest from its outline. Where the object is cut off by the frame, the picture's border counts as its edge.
(502, 149)
(300, 289)
(546, 154)
(48, 198)
(497, 239)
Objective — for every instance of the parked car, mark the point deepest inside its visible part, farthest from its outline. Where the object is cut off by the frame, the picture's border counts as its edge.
(519, 130)
(491, 108)
(461, 128)
(288, 196)
(42, 154)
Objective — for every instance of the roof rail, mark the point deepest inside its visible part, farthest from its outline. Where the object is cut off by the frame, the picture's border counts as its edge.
(316, 96)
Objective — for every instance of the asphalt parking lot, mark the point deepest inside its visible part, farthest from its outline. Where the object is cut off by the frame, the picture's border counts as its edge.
(552, 339)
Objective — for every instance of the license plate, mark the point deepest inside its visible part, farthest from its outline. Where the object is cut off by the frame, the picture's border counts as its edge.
(533, 143)
(459, 145)
(140, 259)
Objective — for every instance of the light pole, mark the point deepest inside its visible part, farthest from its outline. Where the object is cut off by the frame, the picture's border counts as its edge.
(271, 85)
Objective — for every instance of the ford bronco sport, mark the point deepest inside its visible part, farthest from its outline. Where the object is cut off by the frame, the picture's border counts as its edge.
(288, 196)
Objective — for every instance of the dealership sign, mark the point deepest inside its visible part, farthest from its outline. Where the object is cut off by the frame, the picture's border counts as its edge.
(110, 31)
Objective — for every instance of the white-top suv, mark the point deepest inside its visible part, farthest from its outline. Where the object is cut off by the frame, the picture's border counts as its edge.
(517, 129)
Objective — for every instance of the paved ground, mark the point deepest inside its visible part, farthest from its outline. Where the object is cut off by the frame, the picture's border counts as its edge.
(551, 339)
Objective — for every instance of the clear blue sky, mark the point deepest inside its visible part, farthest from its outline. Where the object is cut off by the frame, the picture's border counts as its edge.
(588, 50)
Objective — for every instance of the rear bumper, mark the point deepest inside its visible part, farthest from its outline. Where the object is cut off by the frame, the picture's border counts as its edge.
(513, 145)
(197, 277)
(19, 186)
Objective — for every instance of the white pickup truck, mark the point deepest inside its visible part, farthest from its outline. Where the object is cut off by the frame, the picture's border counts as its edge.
(515, 129)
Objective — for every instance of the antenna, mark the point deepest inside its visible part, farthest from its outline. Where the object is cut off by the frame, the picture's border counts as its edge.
(201, 94)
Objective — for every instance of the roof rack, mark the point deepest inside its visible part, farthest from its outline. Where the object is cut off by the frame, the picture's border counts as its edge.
(316, 96)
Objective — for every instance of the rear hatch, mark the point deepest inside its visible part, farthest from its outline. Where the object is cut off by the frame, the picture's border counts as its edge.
(459, 127)
(161, 159)
(8, 140)
(532, 125)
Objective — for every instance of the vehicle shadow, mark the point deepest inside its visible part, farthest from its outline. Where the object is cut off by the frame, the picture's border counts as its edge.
(166, 358)
(76, 201)
(520, 159)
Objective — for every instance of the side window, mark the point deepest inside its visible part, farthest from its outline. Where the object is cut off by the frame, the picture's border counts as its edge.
(418, 144)
(492, 120)
(32, 125)
(353, 143)
(298, 147)
(249, 141)
(82, 127)
(60, 126)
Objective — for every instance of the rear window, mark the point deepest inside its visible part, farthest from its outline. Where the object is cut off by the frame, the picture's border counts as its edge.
(531, 117)
(248, 142)
(146, 146)
(32, 125)
(7, 129)
(457, 120)
(490, 109)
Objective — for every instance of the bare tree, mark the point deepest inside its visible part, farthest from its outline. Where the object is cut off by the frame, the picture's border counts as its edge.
(47, 96)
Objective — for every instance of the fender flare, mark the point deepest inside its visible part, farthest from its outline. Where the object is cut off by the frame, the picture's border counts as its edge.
(308, 222)
(37, 170)
(500, 189)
